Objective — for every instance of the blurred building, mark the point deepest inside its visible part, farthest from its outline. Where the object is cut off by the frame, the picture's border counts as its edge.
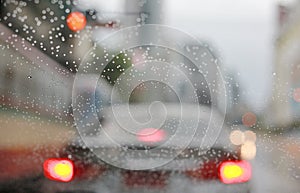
(43, 27)
(284, 107)
(235, 107)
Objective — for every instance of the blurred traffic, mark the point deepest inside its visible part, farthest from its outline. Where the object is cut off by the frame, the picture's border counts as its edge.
(149, 96)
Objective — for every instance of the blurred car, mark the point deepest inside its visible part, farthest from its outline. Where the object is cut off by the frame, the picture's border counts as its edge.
(120, 155)
(97, 165)
(92, 163)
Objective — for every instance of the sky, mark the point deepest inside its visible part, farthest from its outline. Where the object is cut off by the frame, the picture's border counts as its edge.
(243, 33)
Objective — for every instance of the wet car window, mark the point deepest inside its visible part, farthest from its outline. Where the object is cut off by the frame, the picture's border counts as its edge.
(149, 96)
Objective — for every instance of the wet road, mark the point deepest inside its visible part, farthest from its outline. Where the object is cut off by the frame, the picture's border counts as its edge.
(276, 168)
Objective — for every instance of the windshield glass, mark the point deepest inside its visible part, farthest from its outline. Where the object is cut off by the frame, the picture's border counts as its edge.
(149, 96)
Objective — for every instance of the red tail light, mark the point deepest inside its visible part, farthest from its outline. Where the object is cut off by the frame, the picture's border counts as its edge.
(234, 172)
(151, 135)
(59, 169)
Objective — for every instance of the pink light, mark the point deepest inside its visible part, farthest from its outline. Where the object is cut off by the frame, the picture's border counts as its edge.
(151, 135)
(296, 95)
(249, 119)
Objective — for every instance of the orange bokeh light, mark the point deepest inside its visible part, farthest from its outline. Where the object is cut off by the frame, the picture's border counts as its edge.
(76, 21)
(249, 119)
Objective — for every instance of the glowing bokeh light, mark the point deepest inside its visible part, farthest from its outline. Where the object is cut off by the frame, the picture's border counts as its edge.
(62, 169)
(151, 135)
(76, 21)
(250, 136)
(249, 119)
(237, 137)
(296, 95)
(248, 150)
(59, 169)
(232, 171)
(235, 172)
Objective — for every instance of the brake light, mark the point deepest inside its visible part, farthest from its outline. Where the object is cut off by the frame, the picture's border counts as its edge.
(151, 135)
(231, 172)
(59, 169)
